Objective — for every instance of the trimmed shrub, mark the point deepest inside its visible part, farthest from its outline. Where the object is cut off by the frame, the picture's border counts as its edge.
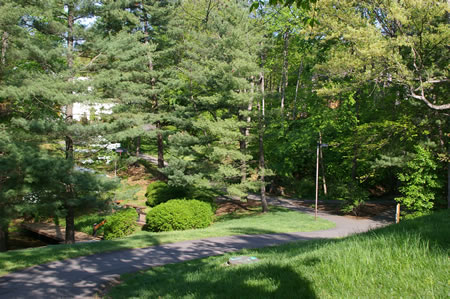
(179, 214)
(159, 192)
(120, 224)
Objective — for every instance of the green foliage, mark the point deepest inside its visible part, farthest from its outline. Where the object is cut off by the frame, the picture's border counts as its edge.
(217, 79)
(120, 224)
(354, 196)
(419, 181)
(159, 192)
(179, 214)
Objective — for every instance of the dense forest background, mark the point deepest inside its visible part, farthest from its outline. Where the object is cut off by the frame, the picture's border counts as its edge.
(227, 98)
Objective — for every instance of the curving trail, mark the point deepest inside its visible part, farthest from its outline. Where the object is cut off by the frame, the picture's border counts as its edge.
(83, 277)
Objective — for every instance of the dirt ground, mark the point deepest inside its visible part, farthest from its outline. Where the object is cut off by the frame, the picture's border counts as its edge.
(235, 206)
(368, 210)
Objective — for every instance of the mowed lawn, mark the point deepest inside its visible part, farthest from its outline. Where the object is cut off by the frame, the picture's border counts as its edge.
(407, 260)
(277, 220)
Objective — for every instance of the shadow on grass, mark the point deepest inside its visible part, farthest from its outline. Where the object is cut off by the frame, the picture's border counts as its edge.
(80, 277)
(273, 278)
(250, 231)
(151, 169)
(201, 279)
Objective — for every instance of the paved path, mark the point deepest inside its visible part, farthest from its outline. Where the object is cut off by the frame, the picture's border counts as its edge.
(84, 276)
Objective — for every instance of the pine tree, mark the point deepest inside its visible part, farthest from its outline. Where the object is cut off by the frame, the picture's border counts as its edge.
(133, 67)
(43, 62)
(218, 65)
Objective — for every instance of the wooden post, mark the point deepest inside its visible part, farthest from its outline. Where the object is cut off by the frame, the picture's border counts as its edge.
(397, 213)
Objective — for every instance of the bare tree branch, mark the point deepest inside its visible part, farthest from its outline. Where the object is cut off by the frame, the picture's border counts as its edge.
(428, 103)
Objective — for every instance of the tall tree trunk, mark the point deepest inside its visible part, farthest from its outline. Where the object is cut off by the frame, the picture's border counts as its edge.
(159, 136)
(3, 238)
(138, 146)
(284, 80)
(294, 111)
(261, 109)
(355, 146)
(70, 218)
(4, 46)
(243, 149)
(70, 224)
(246, 133)
(322, 164)
(160, 143)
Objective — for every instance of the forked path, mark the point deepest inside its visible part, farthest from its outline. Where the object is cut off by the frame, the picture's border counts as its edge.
(83, 277)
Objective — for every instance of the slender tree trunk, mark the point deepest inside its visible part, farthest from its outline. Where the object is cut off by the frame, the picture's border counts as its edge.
(261, 109)
(243, 149)
(322, 165)
(246, 133)
(284, 80)
(70, 218)
(4, 46)
(70, 224)
(160, 143)
(138, 146)
(159, 136)
(3, 238)
(355, 146)
(294, 111)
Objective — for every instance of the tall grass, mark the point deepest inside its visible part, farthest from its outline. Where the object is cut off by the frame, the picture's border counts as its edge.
(408, 260)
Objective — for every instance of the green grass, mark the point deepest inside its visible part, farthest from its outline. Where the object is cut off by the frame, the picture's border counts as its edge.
(408, 260)
(276, 221)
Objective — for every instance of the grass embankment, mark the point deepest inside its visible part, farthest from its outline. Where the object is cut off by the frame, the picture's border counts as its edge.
(408, 260)
(278, 220)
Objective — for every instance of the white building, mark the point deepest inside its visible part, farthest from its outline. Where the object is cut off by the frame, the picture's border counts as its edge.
(81, 110)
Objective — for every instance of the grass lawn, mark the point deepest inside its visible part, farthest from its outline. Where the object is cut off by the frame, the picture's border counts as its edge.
(408, 260)
(278, 220)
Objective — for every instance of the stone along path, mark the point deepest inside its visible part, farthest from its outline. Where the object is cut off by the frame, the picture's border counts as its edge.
(85, 276)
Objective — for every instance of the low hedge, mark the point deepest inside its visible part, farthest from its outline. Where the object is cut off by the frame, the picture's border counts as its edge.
(120, 224)
(159, 192)
(179, 214)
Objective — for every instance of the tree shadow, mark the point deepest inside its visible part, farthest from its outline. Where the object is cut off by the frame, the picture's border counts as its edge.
(250, 231)
(200, 279)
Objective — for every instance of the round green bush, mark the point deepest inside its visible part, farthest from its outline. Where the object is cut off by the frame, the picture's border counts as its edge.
(120, 224)
(159, 192)
(179, 214)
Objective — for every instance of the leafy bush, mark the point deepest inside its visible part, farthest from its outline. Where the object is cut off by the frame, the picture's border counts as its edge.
(120, 224)
(159, 192)
(179, 214)
(354, 197)
(420, 181)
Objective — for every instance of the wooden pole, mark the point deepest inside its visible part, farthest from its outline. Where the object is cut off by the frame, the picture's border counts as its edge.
(317, 181)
